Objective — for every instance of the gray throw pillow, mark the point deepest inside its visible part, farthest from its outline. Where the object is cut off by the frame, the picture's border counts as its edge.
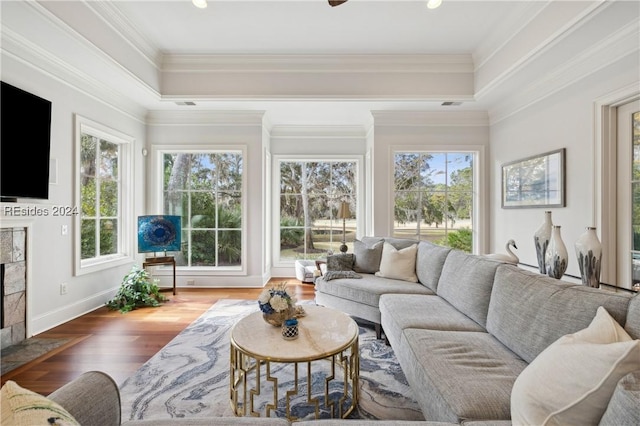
(332, 275)
(367, 259)
(340, 262)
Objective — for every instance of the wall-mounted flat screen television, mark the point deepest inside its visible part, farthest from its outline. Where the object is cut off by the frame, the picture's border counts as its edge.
(25, 132)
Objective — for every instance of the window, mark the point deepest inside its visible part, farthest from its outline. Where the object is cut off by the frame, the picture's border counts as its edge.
(434, 197)
(310, 196)
(206, 189)
(104, 201)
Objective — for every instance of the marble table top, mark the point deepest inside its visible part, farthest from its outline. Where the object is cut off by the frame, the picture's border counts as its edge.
(322, 332)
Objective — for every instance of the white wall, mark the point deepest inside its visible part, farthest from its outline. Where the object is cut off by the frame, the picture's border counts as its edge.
(563, 120)
(308, 141)
(51, 253)
(441, 131)
(212, 130)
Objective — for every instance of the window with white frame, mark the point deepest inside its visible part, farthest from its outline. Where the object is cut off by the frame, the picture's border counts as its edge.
(434, 197)
(311, 193)
(103, 193)
(206, 190)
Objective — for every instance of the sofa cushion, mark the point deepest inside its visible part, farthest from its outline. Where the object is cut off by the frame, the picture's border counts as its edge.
(623, 406)
(401, 311)
(429, 263)
(399, 264)
(368, 289)
(466, 282)
(632, 324)
(547, 309)
(572, 381)
(459, 375)
(367, 257)
(21, 406)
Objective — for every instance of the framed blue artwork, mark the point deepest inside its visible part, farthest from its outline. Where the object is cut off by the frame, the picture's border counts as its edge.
(158, 233)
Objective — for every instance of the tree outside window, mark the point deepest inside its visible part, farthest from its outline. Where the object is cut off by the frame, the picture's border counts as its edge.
(433, 195)
(206, 190)
(310, 195)
(100, 197)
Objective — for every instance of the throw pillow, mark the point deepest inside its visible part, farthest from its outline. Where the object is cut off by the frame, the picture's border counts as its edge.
(333, 275)
(399, 264)
(340, 262)
(367, 259)
(572, 380)
(24, 407)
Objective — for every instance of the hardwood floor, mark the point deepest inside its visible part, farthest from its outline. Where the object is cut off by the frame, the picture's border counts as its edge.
(119, 344)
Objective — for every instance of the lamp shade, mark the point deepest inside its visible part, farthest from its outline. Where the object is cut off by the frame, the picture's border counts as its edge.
(159, 233)
(343, 211)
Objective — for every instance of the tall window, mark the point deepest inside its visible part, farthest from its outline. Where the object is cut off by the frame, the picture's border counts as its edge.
(104, 208)
(310, 196)
(206, 190)
(434, 197)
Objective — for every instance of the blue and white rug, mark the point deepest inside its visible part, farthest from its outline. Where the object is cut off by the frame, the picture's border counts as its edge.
(189, 377)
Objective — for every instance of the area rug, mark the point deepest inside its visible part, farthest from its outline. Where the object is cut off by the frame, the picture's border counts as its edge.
(189, 377)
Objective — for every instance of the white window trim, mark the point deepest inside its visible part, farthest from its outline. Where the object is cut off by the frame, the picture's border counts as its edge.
(125, 254)
(275, 200)
(480, 218)
(157, 152)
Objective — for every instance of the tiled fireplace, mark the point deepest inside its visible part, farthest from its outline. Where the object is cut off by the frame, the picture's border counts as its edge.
(13, 278)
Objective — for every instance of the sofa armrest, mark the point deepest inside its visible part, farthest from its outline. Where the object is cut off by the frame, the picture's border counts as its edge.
(92, 399)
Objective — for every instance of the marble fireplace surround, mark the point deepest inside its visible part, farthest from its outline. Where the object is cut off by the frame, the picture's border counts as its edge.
(13, 261)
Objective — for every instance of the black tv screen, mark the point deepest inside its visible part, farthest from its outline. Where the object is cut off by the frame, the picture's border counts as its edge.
(25, 131)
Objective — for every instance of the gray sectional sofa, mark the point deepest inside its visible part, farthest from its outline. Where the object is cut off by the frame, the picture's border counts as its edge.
(467, 334)
(470, 326)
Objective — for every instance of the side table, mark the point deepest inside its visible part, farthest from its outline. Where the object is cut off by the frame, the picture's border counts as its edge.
(163, 260)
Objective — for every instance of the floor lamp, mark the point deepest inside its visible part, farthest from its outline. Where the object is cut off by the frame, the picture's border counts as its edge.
(344, 213)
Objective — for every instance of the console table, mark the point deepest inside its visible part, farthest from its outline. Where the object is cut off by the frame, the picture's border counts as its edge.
(163, 260)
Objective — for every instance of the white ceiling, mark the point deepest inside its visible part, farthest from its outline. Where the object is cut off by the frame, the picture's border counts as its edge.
(313, 27)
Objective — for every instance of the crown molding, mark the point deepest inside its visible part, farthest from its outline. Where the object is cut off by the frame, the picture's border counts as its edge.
(614, 48)
(205, 118)
(24, 51)
(318, 63)
(123, 73)
(430, 118)
(287, 131)
(543, 46)
(506, 32)
(111, 15)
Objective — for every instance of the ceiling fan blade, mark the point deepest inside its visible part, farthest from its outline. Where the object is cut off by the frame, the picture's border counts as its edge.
(334, 3)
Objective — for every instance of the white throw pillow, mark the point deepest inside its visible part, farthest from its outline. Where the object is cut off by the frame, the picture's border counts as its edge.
(398, 264)
(572, 381)
(21, 406)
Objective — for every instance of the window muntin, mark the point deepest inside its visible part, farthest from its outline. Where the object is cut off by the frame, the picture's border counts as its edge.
(434, 197)
(310, 196)
(205, 189)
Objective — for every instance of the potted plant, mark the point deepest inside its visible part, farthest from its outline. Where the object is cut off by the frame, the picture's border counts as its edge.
(137, 290)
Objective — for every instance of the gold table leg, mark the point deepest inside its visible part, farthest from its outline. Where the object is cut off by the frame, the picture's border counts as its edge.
(245, 384)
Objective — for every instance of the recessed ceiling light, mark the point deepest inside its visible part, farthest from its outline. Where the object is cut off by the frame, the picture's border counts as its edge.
(202, 4)
(432, 4)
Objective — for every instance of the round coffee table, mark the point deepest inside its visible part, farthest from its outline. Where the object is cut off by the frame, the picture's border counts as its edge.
(258, 351)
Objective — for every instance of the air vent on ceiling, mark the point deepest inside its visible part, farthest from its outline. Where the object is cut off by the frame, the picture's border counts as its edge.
(188, 103)
(451, 103)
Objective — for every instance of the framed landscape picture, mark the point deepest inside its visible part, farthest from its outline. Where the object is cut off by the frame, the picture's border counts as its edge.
(537, 181)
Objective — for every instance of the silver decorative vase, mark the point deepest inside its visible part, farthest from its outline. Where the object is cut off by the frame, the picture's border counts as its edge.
(541, 240)
(589, 253)
(556, 257)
